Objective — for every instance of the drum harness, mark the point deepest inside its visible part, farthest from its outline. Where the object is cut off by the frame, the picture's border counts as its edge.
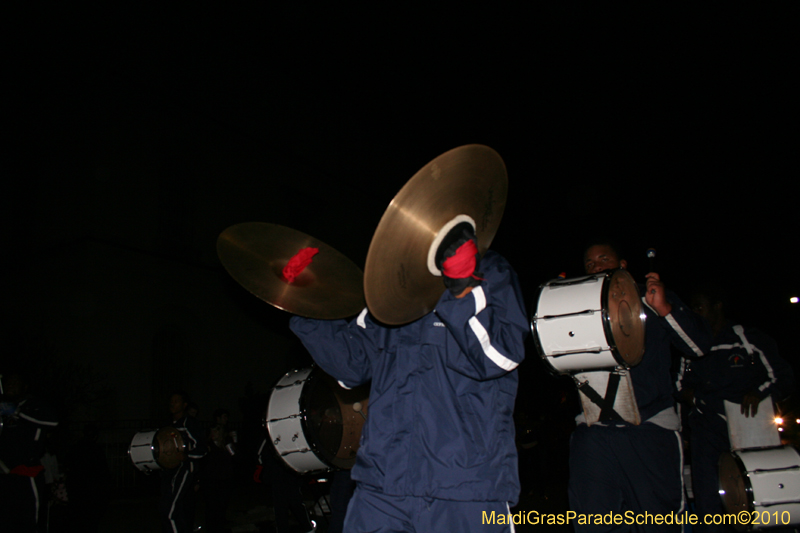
(605, 403)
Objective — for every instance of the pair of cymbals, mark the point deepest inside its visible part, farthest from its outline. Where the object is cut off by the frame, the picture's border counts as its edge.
(400, 282)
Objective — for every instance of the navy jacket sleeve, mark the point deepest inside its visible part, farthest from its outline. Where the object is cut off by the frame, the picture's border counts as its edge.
(37, 413)
(198, 445)
(23, 436)
(689, 332)
(489, 324)
(779, 379)
(343, 350)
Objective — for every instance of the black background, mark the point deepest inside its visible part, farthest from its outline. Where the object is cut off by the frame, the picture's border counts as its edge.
(657, 127)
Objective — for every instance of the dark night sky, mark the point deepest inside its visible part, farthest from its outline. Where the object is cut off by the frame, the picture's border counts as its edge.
(669, 130)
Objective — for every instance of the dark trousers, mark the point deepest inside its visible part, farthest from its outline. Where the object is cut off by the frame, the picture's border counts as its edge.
(373, 512)
(176, 501)
(619, 470)
(708, 441)
(287, 498)
(342, 488)
(22, 502)
(217, 496)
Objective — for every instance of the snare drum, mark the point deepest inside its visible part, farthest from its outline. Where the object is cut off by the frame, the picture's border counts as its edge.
(313, 422)
(157, 449)
(594, 322)
(765, 481)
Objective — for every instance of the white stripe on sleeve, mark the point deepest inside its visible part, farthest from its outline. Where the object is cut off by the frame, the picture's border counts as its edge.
(480, 299)
(37, 421)
(361, 320)
(490, 351)
(682, 334)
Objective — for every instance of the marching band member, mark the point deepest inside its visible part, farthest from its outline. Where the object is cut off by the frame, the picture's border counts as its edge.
(216, 469)
(25, 419)
(177, 484)
(743, 367)
(437, 448)
(618, 467)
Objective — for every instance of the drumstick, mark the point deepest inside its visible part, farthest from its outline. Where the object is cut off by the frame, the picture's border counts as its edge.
(651, 255)
(357, 408)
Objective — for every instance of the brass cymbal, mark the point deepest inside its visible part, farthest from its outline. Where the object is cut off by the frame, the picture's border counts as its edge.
(466, 183)
(625, 317)
(255, 253)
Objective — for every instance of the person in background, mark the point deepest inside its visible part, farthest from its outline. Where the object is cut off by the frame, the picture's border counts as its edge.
(177, 484)
(216, 475)
(88, 480)
(619, 467)
(25, 423)
(743, 367)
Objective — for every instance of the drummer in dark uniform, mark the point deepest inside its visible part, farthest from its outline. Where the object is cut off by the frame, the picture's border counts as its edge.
(618, 466)
(744, 367)
(177, 484)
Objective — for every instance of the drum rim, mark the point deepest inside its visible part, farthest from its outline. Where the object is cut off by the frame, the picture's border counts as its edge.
(313, 443)
(609, 275)
(152, 446)
(736, 454)
(535, 332)
(319, 375)
(146, 470)
(302, 415)
(748, 486)
(606, 276)
(315, 377)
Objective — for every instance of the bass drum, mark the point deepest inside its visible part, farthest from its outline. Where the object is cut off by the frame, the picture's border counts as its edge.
(590, 323)
(315, 424)
(764, 482)
(156, 449)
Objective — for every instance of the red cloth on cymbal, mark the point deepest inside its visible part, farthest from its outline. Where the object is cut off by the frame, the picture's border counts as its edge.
(462, 264)
(298, 263)
(27, 471)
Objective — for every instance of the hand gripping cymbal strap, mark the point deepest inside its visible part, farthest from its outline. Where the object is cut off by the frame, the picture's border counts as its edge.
(437, 241)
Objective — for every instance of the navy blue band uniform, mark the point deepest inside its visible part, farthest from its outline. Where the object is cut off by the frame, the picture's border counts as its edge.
(440, 423)
(623, 467)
